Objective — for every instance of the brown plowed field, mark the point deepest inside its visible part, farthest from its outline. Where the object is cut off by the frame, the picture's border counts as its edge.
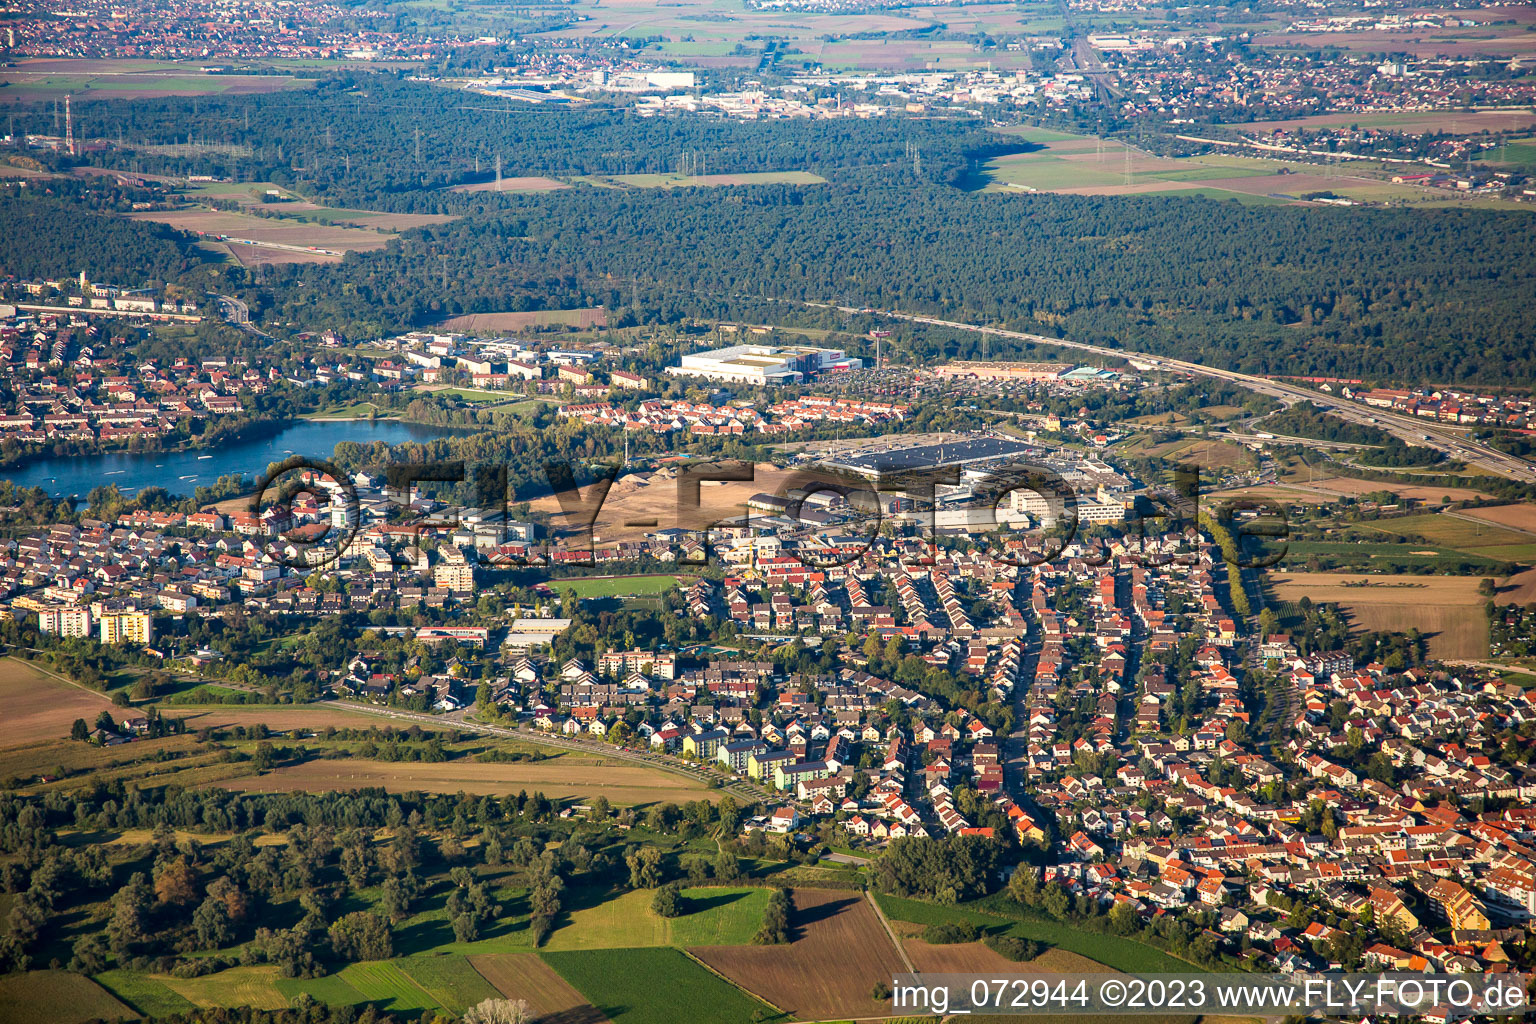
(827, 973)
(525, 976)
(39, 707)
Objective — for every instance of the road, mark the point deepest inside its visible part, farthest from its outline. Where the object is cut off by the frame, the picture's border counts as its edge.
(737, 788)
(238, 313)
(1421, 432)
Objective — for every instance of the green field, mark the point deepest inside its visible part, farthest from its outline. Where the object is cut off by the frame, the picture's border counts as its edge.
(617, 586)
(1122, 954)
(470, 395)
(714, 917)
(143, 993)
(68, 997)
(655, 986)
(408, 985)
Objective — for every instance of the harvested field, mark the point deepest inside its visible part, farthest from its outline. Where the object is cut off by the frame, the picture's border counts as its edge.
(68, 998)
(526, 976)
(639, 503)
(525, 184)
(40, 707)
(1516, 517)
(958, 958)
(626, 784)
(595, 317)
(271, 231)
(1447, 609)
(839, 952)
(1353, 487)
(976, 958)
(1519, 588)
(237, 986)
(282, 718)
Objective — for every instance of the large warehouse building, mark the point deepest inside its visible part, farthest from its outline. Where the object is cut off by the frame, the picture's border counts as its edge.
(764, 364)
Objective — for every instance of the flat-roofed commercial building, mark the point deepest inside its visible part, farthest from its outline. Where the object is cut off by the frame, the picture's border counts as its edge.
(764, 364)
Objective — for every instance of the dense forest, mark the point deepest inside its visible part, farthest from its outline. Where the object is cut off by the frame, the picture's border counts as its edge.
(1384, 294)
(1389, 294)
(48, 236)
(377, 139)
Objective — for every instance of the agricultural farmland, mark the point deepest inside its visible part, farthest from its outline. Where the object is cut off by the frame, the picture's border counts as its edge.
(713, 917)
(654, 986)
(1083, 165)
(50, 79)
(839, 951)
(69, 997)
(493, 322)
(1447, 609)
(272, 233)
(560, 778)
(527, 976)
(40, 707)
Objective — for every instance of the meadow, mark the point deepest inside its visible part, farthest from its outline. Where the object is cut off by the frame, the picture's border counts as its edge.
(714, 917)
(119, 79)
(273, 231)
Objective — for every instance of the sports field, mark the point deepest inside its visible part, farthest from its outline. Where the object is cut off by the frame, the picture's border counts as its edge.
(616, 586)
(560, 778)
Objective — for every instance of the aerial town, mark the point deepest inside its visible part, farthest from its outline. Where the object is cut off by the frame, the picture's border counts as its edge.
(766, 513)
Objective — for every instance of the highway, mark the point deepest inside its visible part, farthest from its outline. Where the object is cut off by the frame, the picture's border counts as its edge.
(1426, 433)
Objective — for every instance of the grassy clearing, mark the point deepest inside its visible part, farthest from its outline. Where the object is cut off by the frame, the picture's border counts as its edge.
(715, 917)
(238, 986)
(654, 986)
(616, 586)
(143, 993)
(450, 979)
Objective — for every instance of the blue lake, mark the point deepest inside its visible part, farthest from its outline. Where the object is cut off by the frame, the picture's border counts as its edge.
(183, 472)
